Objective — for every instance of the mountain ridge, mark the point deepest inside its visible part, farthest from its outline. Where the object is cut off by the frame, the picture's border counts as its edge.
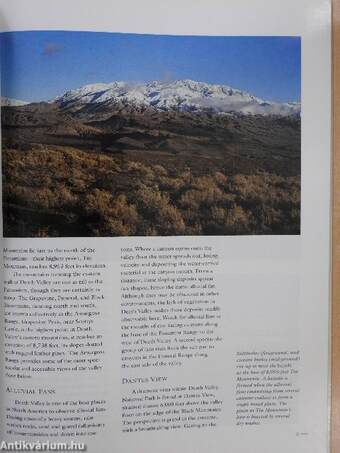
(181, 95)
(10, 102)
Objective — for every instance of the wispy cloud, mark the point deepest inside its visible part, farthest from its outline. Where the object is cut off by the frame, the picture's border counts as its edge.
(167, 76)
(51, 49)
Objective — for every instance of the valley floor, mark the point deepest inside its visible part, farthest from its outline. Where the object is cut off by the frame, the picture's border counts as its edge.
(53, 191)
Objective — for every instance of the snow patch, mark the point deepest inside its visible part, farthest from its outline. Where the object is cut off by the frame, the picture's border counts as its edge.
(183, 95)
(8, 102)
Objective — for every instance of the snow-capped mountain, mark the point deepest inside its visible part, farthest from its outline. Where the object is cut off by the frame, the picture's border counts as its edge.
(8, 102)
(183, 95)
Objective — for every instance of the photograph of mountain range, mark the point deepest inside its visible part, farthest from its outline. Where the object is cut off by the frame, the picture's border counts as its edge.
(108, 134)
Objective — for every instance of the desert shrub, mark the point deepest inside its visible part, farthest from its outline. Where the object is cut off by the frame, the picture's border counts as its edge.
(169, 184)
(98, 203)
(159, 170)
(126, 213)
(112, 216)
(150, 200)
(201, 198)
(203, 183)
(141, 170)
(238, 221)
(112, 227)
(158, 212)
(220, 178)
(219, 216)
(116, 196)
(64, 198)
(150, 231)
(170, 221)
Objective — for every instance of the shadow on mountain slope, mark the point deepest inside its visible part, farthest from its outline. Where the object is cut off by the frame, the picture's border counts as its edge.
(125, 171)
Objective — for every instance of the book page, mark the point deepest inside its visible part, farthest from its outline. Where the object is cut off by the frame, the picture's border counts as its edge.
(166, 216)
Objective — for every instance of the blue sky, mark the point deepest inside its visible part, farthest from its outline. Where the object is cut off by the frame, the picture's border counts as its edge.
(40, 65)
